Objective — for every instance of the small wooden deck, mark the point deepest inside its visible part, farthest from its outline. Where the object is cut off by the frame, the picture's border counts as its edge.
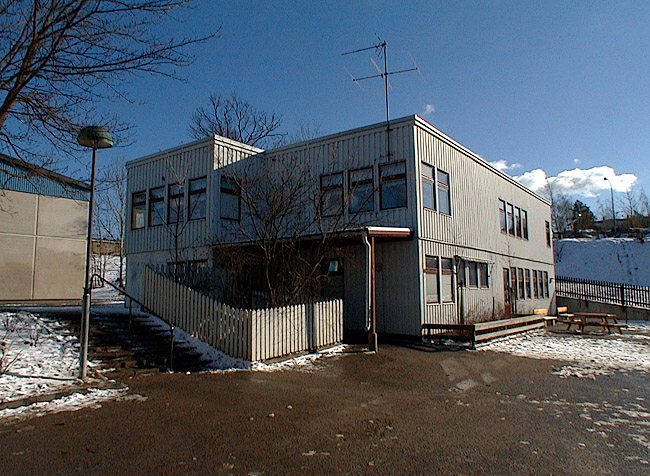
(483, 331)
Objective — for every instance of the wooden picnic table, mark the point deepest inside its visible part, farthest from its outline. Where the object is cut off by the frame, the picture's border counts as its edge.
(584, 319)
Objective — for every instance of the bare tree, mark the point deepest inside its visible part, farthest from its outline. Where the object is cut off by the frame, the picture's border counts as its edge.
(58, 57)
(561, 210)
(289, 224)
(235, 119)
(111, 207)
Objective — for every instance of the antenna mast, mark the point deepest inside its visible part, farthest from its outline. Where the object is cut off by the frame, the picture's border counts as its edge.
(382, 49)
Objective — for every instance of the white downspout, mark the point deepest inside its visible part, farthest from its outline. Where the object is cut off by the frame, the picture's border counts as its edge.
(364, 238)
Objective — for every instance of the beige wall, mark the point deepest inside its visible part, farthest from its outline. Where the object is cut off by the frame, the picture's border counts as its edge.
(42, 247)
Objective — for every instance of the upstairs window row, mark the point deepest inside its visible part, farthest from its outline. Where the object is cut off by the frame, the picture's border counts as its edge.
(436, 193)
(361, 190)
(176, 209)
(513, 220)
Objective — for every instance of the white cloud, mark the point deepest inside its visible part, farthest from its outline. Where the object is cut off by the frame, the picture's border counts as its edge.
(585, 182)
(503, 166)
(428, 109)
(577, 161)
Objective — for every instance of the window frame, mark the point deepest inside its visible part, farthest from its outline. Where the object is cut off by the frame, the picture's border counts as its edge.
(527, 279)
(138, 206)
(352, 183)
(326, 189)
(392, 179)
(429, 181)
(203, 195)
(472, 274)
(536, 284)
(433, 271)
(503, 218)
(511, 219)
(153, 217)
(521, 282)
(443, 188)
(180, 205)
(234, 191)
(447, 272)
(524, 223)
(484, 276)
(547, 225)
(518, 232)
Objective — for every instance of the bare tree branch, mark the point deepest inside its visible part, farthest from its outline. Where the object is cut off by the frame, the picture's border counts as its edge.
(58, 57)
(235, 119)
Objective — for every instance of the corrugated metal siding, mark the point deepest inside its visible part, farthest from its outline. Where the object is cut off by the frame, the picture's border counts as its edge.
(20, 179)
(475, 190)
(343, 153)
(196, 160)
(473, 229)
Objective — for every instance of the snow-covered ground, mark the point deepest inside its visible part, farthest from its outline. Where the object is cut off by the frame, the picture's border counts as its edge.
(587, 356)
(39, 356)
(620, 260)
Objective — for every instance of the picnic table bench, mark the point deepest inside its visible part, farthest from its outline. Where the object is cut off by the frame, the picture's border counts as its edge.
(584, 319)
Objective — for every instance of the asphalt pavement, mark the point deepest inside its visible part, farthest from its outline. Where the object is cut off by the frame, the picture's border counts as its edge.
(403, 411)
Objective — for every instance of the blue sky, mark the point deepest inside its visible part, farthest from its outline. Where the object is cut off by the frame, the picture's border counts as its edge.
(550, 85)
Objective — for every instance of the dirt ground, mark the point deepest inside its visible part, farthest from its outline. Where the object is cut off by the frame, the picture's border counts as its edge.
(404, 411)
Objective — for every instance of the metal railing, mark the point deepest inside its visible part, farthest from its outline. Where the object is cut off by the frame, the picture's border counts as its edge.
(144, 308)
(627, 295)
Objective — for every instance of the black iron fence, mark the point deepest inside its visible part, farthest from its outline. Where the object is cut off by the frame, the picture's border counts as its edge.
(602, 291)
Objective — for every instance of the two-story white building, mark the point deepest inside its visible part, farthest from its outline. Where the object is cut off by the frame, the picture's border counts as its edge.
(429, 233)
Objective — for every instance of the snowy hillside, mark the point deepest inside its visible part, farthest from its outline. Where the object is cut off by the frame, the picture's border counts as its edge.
(620, 260)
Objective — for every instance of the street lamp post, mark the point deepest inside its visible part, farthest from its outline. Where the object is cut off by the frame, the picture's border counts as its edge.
(95, 137)
(611, 190)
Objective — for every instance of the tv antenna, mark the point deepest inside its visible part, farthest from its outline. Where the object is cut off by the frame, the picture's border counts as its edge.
(382, 50)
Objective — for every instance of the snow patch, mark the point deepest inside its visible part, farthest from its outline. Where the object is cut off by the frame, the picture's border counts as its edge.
(589, 356)
(69, 403)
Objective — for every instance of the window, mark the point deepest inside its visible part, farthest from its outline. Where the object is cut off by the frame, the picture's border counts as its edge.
(331, 192)
(548, 233)
(156, 206)
(198, 199)
(392, 179)
(428, 187)
(511, 219)
(175, 208)
(518, 221)
(444, 197)
(138, 209)
(524, 223)
(546, 294)
(535, 284)
(529, 293)
(483, 273)
(230, 199)
(522, 290)
(431, 279)
(502, 216)
(472, 274)
(513, 282)
(447, 281)
(362, 190)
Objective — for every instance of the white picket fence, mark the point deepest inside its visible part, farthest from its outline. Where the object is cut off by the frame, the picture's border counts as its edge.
(248, 334)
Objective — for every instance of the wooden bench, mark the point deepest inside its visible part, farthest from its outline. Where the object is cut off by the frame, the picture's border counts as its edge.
(550, 320)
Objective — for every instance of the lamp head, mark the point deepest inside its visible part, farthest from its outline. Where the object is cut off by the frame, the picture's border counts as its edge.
(95, 137)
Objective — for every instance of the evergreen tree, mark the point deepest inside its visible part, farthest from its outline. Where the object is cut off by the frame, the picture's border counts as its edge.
(582, 217)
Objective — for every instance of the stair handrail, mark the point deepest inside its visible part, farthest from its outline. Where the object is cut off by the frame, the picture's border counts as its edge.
(142, 306)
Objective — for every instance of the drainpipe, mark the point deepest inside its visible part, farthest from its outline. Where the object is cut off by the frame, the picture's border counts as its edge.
(371, 325)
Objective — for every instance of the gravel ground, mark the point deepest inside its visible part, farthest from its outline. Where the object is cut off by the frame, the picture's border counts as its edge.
(402, 411)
